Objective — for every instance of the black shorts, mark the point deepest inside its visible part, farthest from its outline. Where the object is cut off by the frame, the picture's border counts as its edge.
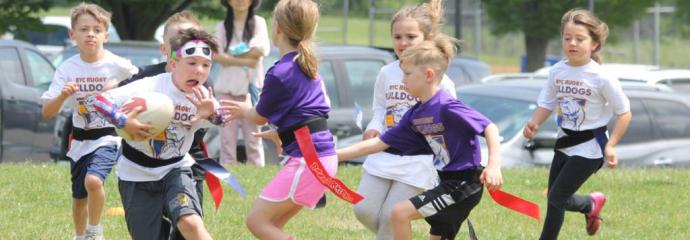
(447, 205)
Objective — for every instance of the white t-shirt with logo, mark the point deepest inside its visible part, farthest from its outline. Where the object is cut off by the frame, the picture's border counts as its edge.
(173, 142)
(391, 101)
(584, 98)
(90, 79)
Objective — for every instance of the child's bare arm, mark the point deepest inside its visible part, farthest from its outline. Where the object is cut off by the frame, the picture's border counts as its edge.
(532, 126)
(492, 177)
(616, 135)
(52, 107)
(372, 145)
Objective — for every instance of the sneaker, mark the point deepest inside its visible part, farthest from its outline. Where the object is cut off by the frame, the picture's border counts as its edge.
(322, 202)
(593, 217)
(94, 233)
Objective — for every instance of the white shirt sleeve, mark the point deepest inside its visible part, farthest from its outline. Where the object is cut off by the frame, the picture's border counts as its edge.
(449, 86)
(547, 97)
(379, 104)
(260, 40)
(126, 68)
(613, 93)
(59, 80)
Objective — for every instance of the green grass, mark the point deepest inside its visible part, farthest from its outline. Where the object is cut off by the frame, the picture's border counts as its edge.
(642, 204)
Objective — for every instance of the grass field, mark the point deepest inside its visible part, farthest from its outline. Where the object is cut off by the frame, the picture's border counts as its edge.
(643, 204)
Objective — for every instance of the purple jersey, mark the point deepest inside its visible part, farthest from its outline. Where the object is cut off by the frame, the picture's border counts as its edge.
(442, 126)
(289, 98)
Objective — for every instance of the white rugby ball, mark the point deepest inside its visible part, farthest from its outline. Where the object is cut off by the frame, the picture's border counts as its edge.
(157, 111)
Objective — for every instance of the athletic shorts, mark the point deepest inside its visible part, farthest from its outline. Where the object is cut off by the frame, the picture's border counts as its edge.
(145, 203)
(447, 205)
(295, 181)
(97, 163)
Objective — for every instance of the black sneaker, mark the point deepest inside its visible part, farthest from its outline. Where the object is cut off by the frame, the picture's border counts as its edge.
(322, 202)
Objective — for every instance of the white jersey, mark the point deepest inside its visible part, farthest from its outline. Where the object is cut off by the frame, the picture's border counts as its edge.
(391, 101)
(90, 78)
(173, 142)
(584, 98)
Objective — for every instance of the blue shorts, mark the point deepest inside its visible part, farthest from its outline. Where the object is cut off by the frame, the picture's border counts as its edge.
(97, 163)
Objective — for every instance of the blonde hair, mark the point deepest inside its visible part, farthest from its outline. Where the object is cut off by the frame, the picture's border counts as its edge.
(598, 30)
(427, 15)
(101, 15)
(179, 18)
(435, 53)
(297, 19)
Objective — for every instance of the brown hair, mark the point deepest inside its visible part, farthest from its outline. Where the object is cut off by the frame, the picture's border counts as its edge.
(229, 25)
(436, 53)
(598, 30)
(97, 12)
(178, 18)
(428, 17)
(297, 19)
(194, 34)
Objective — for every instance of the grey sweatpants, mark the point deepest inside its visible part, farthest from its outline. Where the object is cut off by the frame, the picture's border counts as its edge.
(380, 195)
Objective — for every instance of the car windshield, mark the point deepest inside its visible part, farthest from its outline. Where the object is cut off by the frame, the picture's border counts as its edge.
(138, 57)
(509, 115)
(49, 35)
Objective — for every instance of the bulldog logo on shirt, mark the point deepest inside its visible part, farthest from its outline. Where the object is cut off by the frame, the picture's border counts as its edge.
(571, 112)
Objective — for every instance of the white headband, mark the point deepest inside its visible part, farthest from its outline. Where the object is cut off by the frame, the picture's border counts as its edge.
(194, 48)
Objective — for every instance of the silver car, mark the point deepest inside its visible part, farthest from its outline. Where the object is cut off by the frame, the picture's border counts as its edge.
(26, 74)
(658, 135)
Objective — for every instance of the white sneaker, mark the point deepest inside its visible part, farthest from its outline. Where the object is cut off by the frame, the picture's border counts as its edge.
(94, 233)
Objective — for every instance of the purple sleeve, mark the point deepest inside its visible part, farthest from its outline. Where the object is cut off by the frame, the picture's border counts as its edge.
(403, 138)
(274, 100)
(463, 117)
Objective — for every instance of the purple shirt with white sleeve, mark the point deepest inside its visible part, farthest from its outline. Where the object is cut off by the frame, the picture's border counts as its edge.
(289, 98)
(442, 126)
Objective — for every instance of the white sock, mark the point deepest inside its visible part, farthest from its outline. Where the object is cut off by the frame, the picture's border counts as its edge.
(79, 237)
(94, 228)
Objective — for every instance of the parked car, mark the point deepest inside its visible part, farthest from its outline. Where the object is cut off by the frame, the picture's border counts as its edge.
(658, 135)
(462, 70)
(349, 73)
(26, 74)
(55, 37)
(513, 76)
(139, 53)
(676, 79)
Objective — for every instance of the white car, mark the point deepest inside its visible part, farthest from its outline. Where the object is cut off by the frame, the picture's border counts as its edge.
(57, 37)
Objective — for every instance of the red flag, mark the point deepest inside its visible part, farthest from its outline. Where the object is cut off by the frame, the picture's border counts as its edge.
(212, 181)
(336, 186)
(515, 203)
(215, 188)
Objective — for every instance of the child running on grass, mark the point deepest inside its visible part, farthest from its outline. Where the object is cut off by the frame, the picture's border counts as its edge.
(155, 176)
(448, 129)
(93, 149)
(585, 98)
(293, 96)
(388, 176)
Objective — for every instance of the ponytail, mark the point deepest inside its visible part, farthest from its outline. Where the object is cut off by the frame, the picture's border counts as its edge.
(306, 58)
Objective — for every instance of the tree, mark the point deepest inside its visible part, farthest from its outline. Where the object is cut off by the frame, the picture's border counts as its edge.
(540, 20)
(138, 19)
(21, 14)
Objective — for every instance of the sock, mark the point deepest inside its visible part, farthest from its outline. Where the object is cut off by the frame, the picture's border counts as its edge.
(94, 228)
(79, 237)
